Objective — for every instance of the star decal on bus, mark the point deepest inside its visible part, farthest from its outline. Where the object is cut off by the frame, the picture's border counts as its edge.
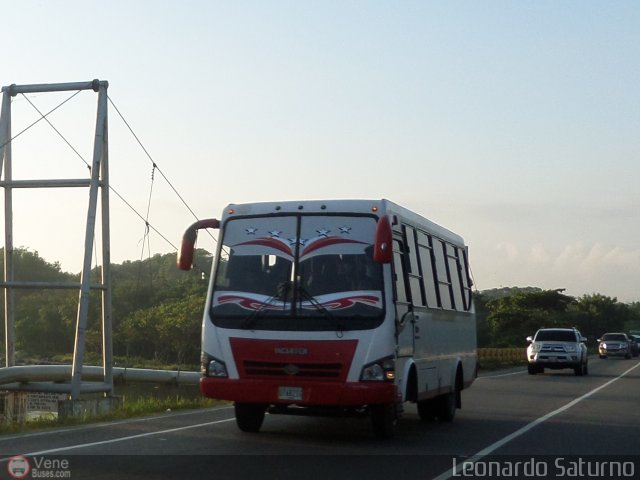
(299, 241)
(307, 246)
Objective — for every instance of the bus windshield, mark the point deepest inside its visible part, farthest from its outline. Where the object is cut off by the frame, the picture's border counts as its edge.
(298, 272)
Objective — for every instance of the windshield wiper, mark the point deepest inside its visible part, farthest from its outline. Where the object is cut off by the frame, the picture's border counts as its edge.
(282, 291)
(305, 295)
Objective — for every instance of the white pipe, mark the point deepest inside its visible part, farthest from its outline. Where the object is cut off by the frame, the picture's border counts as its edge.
(61, 373)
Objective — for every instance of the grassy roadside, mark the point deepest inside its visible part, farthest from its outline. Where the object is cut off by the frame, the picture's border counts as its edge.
(129, 409)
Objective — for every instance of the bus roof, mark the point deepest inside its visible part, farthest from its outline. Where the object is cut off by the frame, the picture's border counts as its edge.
(344, 206)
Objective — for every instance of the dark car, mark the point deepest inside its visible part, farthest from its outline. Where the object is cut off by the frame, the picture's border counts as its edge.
(614, 344)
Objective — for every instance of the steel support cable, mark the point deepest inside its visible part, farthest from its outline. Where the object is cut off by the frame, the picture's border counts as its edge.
(145, 237)
(156, 165)
(147, 224)
(56, 130)
(142, 218)
(146, 221)
(43, 117)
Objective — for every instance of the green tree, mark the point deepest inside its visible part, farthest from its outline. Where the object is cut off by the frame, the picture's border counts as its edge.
(633, 323)
(152, 303)
(141, 288)
(39, 321)
(596, 314)
(512, 318)
(482, 325)
(179, 325)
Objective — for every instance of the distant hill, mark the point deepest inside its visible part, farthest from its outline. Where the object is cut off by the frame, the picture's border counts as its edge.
(495, 293)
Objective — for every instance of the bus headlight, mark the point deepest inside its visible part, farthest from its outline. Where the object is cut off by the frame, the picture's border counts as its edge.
(212, 367)
(379, 371)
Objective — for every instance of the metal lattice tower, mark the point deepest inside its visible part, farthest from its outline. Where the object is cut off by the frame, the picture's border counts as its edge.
(98, 188)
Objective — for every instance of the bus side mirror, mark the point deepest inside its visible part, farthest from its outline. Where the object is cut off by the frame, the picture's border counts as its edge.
(383, 247)
(187, 247)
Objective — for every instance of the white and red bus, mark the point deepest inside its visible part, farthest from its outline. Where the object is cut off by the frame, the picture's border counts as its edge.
(335, 307)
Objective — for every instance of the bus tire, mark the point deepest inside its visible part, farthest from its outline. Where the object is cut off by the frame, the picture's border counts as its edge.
(249, 416)
(446, 407)
(384, 420)
(426, 410)
(449, 402)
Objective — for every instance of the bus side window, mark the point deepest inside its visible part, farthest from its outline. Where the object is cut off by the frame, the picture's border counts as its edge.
(414, 274)
(455, 271)
(442, 272)
(466, 279)
(427, 264)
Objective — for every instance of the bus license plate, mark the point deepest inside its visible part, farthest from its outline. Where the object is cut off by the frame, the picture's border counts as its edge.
(290, 393)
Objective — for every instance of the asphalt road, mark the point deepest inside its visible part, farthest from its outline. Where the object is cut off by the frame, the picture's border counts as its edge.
(554, 425)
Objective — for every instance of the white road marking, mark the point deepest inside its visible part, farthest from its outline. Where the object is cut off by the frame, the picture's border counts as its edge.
(119, 439)
(493, 447)
(501, 375)
(93, 426)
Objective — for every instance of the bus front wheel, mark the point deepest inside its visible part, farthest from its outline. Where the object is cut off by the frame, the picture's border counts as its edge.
(384, 420)
(249, 416)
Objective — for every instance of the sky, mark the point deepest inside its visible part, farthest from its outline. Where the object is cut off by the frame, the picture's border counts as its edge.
(513, 123)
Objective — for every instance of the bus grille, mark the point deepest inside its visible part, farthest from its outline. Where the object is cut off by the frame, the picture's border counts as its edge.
(296, 369)
(303, 360)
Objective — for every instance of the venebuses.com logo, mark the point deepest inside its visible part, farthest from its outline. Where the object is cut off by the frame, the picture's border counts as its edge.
(18, 467)
(39, 467)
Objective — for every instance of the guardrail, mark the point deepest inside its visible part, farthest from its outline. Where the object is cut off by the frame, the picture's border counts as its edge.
(57, 378)
(515, 354)
(54, 382)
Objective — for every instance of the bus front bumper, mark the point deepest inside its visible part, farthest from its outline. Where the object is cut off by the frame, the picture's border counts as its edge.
(345, 394)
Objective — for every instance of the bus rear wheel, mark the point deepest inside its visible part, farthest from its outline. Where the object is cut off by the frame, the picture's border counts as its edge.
(426, 410)
(449, 402)
(249, 416)
(446, 407)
